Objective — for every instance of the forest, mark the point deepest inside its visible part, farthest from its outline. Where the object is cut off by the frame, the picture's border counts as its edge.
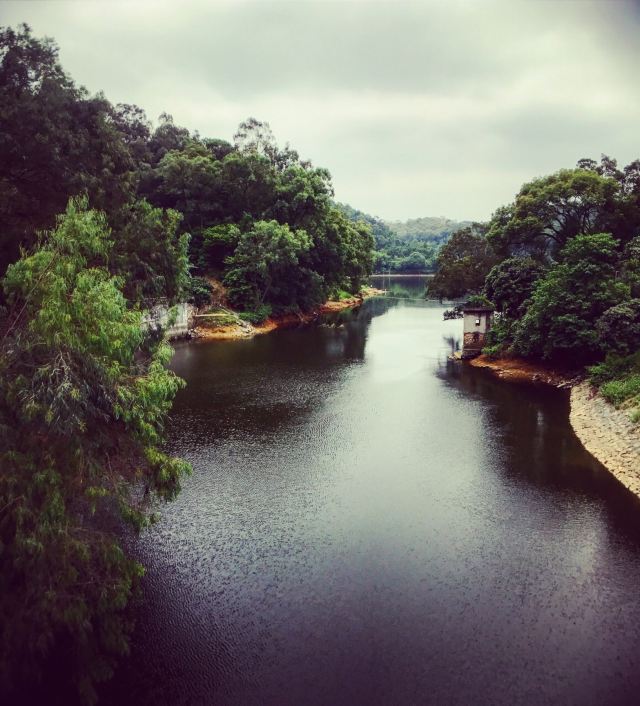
(406, 246)
(561, 266)
(102, 216)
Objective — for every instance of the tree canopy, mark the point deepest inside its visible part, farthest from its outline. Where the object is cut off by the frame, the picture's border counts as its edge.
(84, 392)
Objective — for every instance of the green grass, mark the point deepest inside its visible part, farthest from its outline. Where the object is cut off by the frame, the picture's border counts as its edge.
(619, 391)
(619, 381)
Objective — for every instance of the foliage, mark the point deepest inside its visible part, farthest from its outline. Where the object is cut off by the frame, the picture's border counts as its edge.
(463, 264)
(409, 246)
(55, 141)
(618, 329)
(218, 243)
(480, 300)
(265, 265)
(88, 391)
(569, 299)
(548, 212)
(618, 378)
(198, 291)
(500, 336)
(150, 254)
(261, 314)
(510, 284)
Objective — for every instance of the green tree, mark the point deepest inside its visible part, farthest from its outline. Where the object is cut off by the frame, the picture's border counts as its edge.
(550, 211)
(84, 392)
(218, 243)
(618, 329)
(510, 284)
(463, 264)
(55, 142)
(150, 254)
(264, 266)
(566, 303)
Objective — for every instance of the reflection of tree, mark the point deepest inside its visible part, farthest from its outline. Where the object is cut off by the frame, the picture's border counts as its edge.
(536, 443)
(453, 343)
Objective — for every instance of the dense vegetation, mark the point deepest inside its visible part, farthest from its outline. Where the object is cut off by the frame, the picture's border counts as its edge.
(562, 266)
(409, 247)
(100, 217)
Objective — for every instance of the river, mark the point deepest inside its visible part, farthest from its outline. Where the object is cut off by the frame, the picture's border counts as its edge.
(368, 523)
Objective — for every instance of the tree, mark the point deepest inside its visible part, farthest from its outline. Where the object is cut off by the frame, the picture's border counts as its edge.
(618, 329)
(463, 263)
(256, 137)
(55, 142)
(264, 267)
(218, 243)
(150, 254)
(624, 216)
(84, 392)
(510, 284)
(567, 302)
(550, 211)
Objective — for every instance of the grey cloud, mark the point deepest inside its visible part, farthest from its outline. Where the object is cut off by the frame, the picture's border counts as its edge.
(423, 108)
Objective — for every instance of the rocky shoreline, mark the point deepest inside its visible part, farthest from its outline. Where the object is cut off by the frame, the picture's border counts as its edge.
(607, 433)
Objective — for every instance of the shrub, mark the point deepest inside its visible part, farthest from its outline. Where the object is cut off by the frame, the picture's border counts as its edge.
(199, 291)
(618, 328)
(261, 313)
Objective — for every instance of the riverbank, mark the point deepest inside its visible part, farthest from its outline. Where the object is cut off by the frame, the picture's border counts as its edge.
(608, 434)
(238, 329)
(519, 370)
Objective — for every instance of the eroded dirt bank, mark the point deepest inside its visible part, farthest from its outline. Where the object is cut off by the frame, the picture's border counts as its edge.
(518, 370)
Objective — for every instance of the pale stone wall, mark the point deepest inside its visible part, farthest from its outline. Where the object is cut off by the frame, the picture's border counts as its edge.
(608, 434)
(159, 315)
(469, 325)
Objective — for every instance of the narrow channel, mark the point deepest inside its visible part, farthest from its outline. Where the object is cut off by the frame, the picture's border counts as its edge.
(368, 523)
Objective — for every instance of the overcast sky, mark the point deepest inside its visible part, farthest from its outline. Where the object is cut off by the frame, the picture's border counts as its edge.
(429, 108)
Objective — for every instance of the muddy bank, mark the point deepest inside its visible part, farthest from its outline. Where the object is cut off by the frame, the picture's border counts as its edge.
(242, 329)
(519, 370)
(608, 434)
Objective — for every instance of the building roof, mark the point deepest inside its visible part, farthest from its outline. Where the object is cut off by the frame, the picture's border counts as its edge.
(476, 308)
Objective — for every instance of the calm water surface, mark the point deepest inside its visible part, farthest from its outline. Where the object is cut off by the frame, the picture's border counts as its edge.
(369, 524)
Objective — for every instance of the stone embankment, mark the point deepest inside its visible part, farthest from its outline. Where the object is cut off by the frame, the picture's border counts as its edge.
(608, 434)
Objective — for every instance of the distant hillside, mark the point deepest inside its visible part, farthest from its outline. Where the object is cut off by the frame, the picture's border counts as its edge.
(406, 246)
(433, 228)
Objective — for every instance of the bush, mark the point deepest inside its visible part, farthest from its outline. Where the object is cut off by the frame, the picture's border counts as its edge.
(618, 328)
(613, 368)
(199, 291)
(262, 313)
(619, 391)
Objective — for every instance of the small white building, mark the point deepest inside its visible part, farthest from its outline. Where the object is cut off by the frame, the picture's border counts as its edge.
(476, 324)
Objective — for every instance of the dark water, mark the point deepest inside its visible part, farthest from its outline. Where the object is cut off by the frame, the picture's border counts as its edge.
(369, 524)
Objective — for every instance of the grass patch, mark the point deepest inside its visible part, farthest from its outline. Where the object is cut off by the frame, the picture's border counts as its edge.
(618, 379)
(262, 313)
(619, 391)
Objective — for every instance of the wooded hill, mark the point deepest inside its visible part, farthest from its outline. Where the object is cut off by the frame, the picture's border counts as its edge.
(406, 246)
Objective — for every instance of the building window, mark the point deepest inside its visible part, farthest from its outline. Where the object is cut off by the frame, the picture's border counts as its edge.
(478, 322)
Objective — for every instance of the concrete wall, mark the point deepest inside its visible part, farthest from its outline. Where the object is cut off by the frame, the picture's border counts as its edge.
(161, 314)
(475, 335)
(469, 325)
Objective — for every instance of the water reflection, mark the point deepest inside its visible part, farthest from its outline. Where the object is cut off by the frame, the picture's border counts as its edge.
(370, 524)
